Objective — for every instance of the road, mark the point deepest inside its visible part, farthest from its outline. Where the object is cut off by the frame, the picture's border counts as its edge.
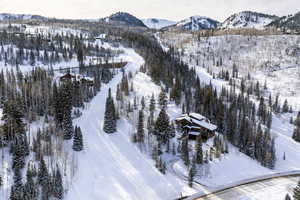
(270, 189)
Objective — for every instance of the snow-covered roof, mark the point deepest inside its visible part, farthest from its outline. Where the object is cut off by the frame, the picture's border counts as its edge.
(205, 124)
(197, 116)
(197, 119)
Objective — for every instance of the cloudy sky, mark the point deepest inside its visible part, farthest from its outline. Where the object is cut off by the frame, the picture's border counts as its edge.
(168, 9)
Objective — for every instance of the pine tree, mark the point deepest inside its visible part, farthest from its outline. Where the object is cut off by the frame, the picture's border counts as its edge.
(13, 121)
(285, 107)
(192, 173)
(67, 127)
(287, 197)
(296, 134)
(110, 124)
(140, 127)
(185, 151)
(143, 102)
(30, 188)
(162, 126)
(19, 149)
(199, 152)
(163, 99)
(77, 140)
(43, 175)
(58, 190)
(135, 107)
(152, 104)
(296, 194)
(17, 188)
(175, 93)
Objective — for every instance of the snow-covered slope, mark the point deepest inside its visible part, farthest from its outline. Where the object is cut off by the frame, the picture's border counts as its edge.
(252, 54)
(7, 16)
(111, 167)
(155, 23)
(196, 23)
(248, 19)
(291, 22)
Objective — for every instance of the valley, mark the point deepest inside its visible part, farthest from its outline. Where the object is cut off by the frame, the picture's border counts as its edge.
(123, 108)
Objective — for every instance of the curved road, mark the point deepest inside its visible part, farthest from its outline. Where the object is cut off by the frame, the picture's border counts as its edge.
(273, 188)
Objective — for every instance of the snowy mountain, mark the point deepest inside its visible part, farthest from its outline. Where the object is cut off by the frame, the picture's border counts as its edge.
(248, 19)
(124, 18)
(288, 22)
(196, 23)
(155, 23)
(7, 16)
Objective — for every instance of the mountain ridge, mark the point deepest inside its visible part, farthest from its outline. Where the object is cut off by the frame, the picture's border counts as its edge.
(248, 19)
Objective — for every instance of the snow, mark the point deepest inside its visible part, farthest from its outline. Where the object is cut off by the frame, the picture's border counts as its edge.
(111, 167)
(198, 119)
(248, 19)
(155, 23)
(250, 54)
(197, 116)
(196, 23)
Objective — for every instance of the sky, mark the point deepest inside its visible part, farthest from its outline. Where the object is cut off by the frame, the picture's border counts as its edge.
(167, 9)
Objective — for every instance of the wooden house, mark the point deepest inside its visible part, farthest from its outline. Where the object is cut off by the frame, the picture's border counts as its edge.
(195, 124)
(68, 77)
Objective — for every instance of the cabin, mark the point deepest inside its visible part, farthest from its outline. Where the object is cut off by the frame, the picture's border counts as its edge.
(195, 124)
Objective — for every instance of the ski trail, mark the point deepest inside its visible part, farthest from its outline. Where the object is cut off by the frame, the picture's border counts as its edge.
(111, 167)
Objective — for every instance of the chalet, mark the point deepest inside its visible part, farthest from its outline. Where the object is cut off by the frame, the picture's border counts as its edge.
(195, 124)
(77, 77)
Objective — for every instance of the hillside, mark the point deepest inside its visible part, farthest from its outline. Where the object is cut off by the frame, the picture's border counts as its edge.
(123, 18)
(291, 22)
(195, 23)
(8, 16)
(155, 23)
(248, 19)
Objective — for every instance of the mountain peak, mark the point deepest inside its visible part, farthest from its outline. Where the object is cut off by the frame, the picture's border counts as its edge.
(156, 23)
(125, 19)
(196, 23)
(248, 19)
(10, 16)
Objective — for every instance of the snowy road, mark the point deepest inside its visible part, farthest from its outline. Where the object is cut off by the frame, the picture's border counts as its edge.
(273, 189)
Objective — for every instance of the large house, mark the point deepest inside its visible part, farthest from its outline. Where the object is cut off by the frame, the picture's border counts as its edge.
(77, 77)
(195, 124)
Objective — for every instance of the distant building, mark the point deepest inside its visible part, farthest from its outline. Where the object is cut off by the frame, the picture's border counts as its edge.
(68, 77)
(195, 124)
(77, 77)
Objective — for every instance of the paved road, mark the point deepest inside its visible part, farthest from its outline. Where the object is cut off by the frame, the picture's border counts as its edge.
(272, 189)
